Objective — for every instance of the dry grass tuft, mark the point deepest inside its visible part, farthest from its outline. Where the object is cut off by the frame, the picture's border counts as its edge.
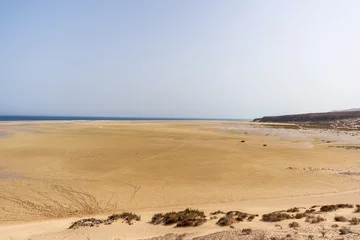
(127, 217)
(275, 217)
(294, 225)
(357, 208)
(314, 219)
(340, 219)
(217, 212)
(187, 218)
(300, 215)
(293, 210)
(93, 222)
(234, 217)
(354, 221)
(344, 231)
(331, 208)
(246, 231)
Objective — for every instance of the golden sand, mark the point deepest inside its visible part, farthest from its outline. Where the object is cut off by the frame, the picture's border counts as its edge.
(52, 170)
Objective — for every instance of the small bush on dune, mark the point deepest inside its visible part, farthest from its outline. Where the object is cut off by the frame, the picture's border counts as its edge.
(293, 210)
(310, 210)
(300, 215)
(88, 222)
(187, 218)
(275, 217)
(340, 219)
(314, 219)
(127, 217)
(344, 231)
(157, 218)
(331, 208)
(251, 217)
(235, 217)
(357, 208)
(93, 222)
(246, 231)
(226, 221)
(342, 205)
(328, 208)
(355, 221)
(217, 212)
(294, 225)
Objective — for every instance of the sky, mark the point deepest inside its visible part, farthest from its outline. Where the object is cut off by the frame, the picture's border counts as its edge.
(185, 58)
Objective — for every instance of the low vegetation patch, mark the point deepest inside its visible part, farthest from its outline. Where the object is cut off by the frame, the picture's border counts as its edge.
(331, 208)
(276, 217)
(340, 219)
(355, 221)
(88, 222)
(246, 231)
(314, 219)
(293, 210)
(294, 225)
(311, 210)
(300, 215)
(187, 218)
(344, 231)
(235, 217)
(217, 212)
(127, 217)
(93, 222)
(357, 208)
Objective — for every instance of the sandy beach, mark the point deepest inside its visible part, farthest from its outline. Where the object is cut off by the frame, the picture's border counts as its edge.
(54, 173)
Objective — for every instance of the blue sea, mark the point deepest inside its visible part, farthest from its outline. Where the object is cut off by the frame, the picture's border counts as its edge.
(79, 118)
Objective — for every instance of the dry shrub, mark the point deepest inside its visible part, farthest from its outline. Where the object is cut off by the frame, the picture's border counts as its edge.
(342, 205)
(293, 210)
(314, 219)
(340, 219)
(300, 215)
(246, 231)
(88, 222)
(217, 212)
(127, 217)
(187, 218)
(310, 210)
(357, 208)
(251, 217)
(226, 221)
(234, 217)
(275, 217)
(344, 231)
(294, 225)
(331, 208)
(355, 221)
(328, 208)
(93, 222)
(334, 226)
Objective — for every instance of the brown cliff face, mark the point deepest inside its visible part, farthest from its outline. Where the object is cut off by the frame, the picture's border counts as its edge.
(338, 119)
(311, 117)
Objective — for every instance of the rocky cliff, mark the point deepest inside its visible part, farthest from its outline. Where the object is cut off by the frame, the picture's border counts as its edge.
(338, 119)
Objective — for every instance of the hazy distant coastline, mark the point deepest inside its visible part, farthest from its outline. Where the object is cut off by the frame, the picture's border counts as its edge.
(87, 118)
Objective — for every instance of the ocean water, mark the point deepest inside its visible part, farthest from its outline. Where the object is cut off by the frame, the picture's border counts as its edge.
(72, 118)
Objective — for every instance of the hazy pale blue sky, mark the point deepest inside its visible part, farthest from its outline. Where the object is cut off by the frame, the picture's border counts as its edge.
(186, 58)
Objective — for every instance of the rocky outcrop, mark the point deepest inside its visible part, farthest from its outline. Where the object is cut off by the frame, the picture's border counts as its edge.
(349, 119)
(311, 117)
